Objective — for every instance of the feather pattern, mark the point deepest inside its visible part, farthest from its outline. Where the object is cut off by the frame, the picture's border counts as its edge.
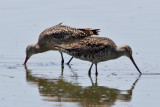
(93, 49)
(62, 34)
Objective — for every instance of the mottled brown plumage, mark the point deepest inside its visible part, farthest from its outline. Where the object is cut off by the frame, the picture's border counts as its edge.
(58, 35)
(62, 34)
(97, 49)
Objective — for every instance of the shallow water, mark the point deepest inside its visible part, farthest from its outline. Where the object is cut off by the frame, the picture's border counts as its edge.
(44, 82)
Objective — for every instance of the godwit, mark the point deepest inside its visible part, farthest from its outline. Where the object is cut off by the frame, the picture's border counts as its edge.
(57, 35)
(97, 49)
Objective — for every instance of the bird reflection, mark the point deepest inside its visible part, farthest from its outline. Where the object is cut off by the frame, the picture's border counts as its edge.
(59, 90)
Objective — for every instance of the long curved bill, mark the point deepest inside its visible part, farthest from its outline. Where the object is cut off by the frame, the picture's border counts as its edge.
(26, 60)
(135, 64)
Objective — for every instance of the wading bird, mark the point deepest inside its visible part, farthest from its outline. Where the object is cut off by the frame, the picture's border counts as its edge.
(97, 49)
(58, 35)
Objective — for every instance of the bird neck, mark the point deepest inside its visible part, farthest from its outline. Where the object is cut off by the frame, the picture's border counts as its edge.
(39, 49)
(119, 52)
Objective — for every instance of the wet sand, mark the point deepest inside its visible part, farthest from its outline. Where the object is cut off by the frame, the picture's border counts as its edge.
(44, 82)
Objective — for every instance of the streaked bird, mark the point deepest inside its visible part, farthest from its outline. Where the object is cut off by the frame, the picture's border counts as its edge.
(57, 35)
(97, 49)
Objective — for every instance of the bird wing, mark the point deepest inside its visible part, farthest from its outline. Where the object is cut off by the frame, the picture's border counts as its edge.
(90, 45)
(63, 32)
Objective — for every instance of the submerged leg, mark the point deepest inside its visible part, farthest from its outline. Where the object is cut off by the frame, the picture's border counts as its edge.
(96, 69)
(62, 58)
(62, 68)
(89, 72)
(70, 60)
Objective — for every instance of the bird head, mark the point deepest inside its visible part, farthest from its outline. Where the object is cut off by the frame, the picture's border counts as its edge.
(30, 50)
(128, 52)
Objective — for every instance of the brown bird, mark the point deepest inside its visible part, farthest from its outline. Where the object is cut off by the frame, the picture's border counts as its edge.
(57, 35)
(97, 49)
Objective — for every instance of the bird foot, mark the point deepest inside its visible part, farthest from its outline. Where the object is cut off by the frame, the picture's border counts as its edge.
(67, 63)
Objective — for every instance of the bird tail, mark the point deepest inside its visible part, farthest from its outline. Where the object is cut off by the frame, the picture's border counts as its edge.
(90, 31)
(95, 31)
(62, 49)
(58, 47)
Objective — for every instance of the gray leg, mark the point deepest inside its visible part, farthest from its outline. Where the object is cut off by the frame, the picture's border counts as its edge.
(62, 58)
(96, 69)
(70, 60)
(89, 72)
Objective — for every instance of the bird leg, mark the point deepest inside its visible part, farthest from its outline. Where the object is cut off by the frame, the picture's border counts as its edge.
(96, 69)
(62, 68)
(62, 58)
(69, 61)
(91, 80)
(89, 72)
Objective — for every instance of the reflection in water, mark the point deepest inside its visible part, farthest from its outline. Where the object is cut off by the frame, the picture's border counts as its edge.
(59, 90)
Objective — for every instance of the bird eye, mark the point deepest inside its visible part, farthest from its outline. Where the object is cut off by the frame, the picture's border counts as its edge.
(129, 51)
